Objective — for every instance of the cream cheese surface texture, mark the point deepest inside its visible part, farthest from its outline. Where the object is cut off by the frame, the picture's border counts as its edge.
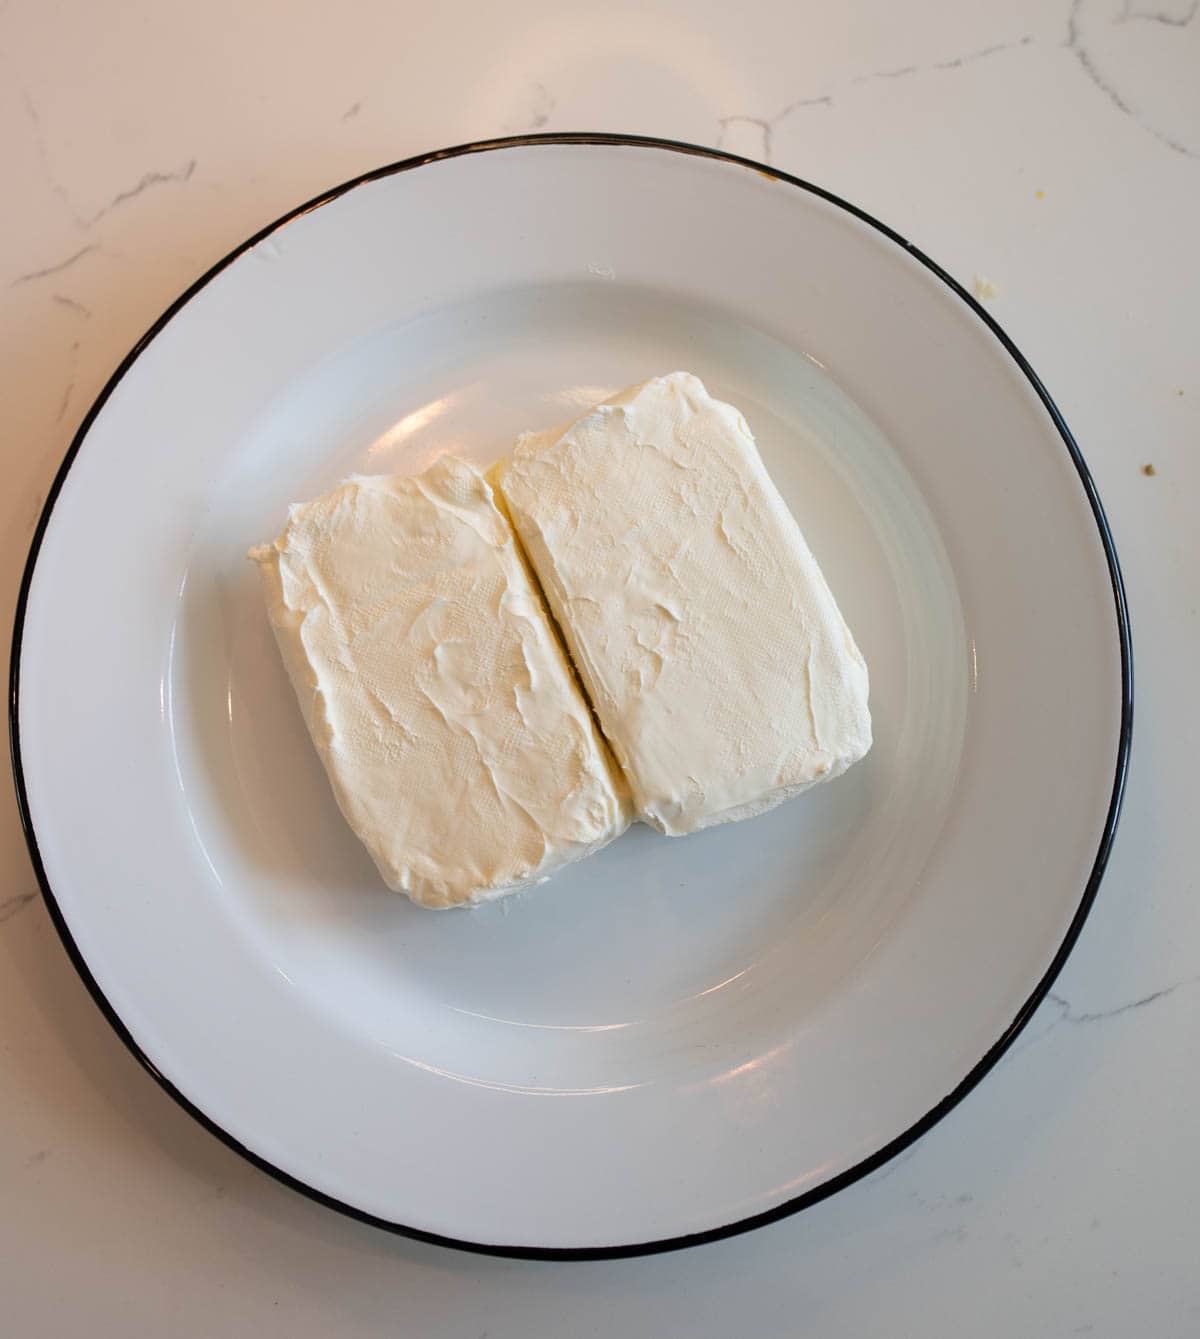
(719, 667)
(435, 688)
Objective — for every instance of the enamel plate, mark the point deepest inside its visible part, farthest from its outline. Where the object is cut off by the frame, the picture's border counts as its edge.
(678, 1038)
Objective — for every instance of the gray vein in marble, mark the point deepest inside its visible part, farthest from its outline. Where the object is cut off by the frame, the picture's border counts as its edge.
(764, 126)
(1070, 1016)
(534, 107)
(148, 179)
(39, 142)
(56, 268)
(543, 106)
(1130, 15)
(769, 124)
(940, 1207)
(954, 63)
(1057, 1010)
(71, 305)
(352, 111)
(12, 905)
(1077, 44)
(933, 1203)
(81, 220)
(982, 54)
(824, 100)
(887, 74)
(70, 386)
(30, 110)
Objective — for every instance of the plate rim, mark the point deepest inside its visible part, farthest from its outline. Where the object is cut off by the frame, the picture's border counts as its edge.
(899, 1142)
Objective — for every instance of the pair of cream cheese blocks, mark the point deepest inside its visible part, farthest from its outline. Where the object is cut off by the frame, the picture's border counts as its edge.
(706, 675)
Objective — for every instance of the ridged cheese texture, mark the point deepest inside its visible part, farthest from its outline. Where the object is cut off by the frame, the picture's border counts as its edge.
(435, 688)
(716, 660)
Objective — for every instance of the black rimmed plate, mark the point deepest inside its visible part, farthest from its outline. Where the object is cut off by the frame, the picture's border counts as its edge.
(678, 1038)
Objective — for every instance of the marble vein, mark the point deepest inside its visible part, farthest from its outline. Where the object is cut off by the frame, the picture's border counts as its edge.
(1130, 15)
(72, 305)
(764, 128)
(56, 268)
(1077, 43)
(887, 74)
(1069, 1014)
(543, 106)
(148, 180)
(1057, 1010)
(983, 53)
(767, 125)
(12, 905)
(953, 63)
(39, 143)
(823, 100)
(534, 106)
(69, 390)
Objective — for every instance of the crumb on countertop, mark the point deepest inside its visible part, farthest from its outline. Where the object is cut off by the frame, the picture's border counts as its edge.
(1149, 470)
(984, 288)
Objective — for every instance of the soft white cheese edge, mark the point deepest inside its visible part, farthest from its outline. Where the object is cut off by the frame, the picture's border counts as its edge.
(714, 654)
(435, 689)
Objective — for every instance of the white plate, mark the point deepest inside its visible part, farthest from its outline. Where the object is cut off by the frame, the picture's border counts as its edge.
(677, 1038)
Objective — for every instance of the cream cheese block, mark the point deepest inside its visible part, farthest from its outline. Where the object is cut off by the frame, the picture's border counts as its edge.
(435, 688)
(719, 667)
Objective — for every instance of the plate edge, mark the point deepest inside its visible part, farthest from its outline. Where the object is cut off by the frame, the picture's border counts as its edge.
(990, 1057)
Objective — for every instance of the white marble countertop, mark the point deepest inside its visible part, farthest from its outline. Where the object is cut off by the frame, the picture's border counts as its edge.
(1048, 151)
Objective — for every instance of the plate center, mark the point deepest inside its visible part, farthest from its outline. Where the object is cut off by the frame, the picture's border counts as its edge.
(658, 953)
